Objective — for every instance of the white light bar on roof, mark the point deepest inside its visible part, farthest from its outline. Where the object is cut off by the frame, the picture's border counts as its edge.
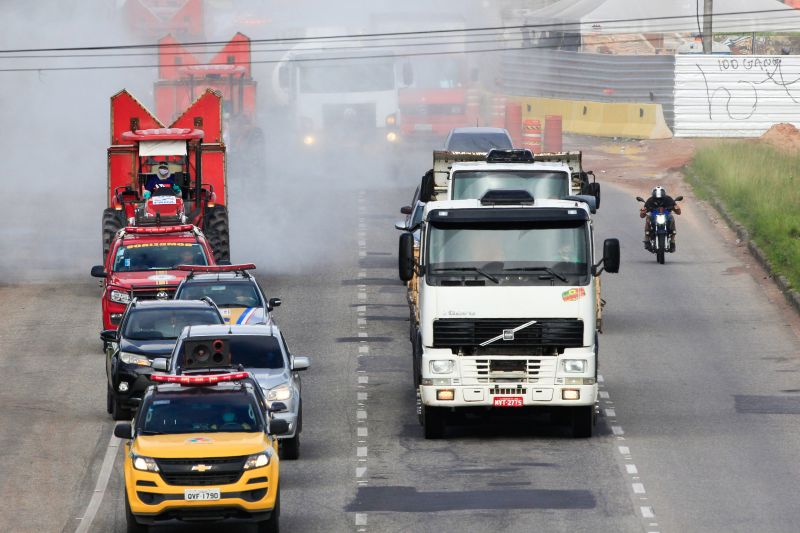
(159, 148)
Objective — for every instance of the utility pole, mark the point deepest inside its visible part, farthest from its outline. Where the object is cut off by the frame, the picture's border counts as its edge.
(708, 33)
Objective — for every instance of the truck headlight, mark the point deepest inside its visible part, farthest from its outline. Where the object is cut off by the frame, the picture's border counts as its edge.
(441, 366)
(574, 366)
(145, 464)
(121, 297)
(391, 120)
(391, 136)
(280, 393)
(134, 359)
(308, 140)
(258, 460)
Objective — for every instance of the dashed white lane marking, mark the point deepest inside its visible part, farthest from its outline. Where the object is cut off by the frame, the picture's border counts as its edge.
(362, 432)
(631, 469)
(100, 487)
(638, 488)
(610, 413)
(361, 519)
(363, 379)
(647, 512)
(617, 430)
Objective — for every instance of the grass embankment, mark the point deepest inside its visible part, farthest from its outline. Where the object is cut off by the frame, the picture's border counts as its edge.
(760, 186)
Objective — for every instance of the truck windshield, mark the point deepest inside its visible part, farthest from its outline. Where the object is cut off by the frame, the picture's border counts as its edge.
(521, 254)
(540, 183)
(200, 411)
(352, 77)
(437, 73)
(157, 256)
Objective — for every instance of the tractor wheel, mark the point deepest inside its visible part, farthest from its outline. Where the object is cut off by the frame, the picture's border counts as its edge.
(217, 231)
(113, 221)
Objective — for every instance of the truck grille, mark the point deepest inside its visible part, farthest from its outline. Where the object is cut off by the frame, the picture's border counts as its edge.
(358, 116)
(157, 293)
(427, 110)
(222, 471)
(557, 333)
(476, 371)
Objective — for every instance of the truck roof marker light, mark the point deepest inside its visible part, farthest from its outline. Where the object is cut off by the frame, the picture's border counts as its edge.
(510, 156)
(216, 268)
(137, 230)
(212, 379)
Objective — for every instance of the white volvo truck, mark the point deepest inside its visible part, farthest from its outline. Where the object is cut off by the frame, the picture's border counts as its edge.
(506, 305)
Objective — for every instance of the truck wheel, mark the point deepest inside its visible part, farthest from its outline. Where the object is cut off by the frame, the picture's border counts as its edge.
(217, 231)
(582, 421)
(416, 365)
(272, 525)
(434, 420)
(290, 448)
(132, 526)
(113, 221)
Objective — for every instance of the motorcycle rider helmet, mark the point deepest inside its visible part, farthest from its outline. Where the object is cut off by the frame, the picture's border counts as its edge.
(659, 192)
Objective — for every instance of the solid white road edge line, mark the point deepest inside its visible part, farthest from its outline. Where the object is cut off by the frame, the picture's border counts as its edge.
(100, 487)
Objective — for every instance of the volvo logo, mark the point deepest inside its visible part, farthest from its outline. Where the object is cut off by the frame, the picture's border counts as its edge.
(162, 295)
(202, 468)
(508, 334)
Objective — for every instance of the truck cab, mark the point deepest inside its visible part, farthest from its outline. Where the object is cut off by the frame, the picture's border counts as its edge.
(506, 306)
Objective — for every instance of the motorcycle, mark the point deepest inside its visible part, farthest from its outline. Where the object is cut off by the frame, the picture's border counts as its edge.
(659, 235)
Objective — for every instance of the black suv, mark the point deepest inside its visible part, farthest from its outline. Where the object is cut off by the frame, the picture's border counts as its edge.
(148, 329)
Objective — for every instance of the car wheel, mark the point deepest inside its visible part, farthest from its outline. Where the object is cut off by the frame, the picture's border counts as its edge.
(272, 525)
(118, 412)
(132, 525)
(290, 448)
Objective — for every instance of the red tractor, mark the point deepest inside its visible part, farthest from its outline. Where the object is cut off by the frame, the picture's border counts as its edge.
(182, 75)
(193, 151)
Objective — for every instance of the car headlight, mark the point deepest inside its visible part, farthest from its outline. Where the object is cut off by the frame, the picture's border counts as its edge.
(443, 366)
(121, 297)
(280, 393)
(134, 359)
(574, 365)
(391, 136)
(146, 464)
(258, 460)
(661, 218)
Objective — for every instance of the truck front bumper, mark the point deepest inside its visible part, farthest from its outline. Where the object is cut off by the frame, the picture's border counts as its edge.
(508, 395)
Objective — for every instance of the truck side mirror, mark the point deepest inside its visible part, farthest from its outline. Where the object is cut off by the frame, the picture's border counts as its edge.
(283, 76)
(408, 74)
(123, 430)
(593, 189)
(405, 259)
(611, 255)
(98, 271)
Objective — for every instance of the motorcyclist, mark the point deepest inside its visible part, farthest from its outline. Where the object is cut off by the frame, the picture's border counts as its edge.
(659, 199)
(163, 178)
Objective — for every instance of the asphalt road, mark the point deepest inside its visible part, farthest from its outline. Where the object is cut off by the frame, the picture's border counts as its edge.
(697, 431)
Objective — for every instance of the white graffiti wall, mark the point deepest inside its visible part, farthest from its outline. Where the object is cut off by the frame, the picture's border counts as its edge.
(735, 96)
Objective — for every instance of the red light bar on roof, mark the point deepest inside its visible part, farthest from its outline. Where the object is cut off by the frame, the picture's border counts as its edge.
(211, 379)
(158, 229)
(216, 268)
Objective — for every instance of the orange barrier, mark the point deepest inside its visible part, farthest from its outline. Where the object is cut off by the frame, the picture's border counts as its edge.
(498, 117)
(532, 135)
(552, 133)
(514, 122)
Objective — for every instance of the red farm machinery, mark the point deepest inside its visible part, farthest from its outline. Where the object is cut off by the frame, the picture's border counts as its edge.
(150, 19)
(193, 149)
(182, 75)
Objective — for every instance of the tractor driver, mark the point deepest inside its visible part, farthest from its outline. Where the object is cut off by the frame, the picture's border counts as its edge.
(162, 179)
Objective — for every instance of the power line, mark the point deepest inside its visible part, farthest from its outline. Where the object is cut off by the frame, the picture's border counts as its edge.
(550, 25)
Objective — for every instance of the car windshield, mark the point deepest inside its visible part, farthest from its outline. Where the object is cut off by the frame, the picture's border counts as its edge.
(357, 75)
(478, 142)
(147, 324)
(200, 411)
(540, 183)
(520, 253)
(255, 351)
(141, 257)
(237, 294)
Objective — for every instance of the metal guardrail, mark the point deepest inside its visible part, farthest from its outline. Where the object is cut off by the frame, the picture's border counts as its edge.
(590, 76)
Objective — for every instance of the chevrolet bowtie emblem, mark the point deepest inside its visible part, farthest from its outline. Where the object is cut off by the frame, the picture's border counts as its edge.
(162, 295)
(202, 468)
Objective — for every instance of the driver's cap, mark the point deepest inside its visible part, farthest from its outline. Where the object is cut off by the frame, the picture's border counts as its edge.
(163, 165)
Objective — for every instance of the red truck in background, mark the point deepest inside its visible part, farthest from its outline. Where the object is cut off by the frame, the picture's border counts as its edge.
(192, 148)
